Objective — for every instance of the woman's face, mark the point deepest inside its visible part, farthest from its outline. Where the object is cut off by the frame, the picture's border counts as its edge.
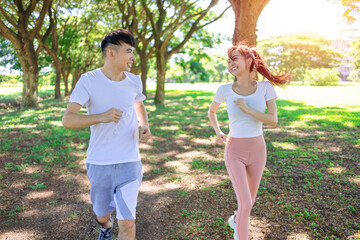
(237, 65)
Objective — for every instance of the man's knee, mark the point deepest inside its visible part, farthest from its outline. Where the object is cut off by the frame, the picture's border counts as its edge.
(126, 225)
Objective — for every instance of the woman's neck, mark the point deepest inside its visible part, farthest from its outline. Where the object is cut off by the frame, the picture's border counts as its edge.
(244, 80)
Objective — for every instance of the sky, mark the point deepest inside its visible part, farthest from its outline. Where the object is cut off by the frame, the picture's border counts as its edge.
(289, 16)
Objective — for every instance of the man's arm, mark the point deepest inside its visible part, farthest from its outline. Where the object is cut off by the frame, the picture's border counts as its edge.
(72, 119)
(142, 116)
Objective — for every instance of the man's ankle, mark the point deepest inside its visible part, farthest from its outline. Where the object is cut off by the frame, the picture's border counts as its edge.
(108, 224)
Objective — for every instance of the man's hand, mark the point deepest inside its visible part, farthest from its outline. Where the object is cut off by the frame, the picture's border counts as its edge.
(220, 138)
(112, 115)
(145, 133)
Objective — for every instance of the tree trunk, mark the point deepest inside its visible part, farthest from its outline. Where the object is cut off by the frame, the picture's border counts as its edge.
(65, 75)
(144, 70)
(29, 65)
(247, 13)
(75, 79)
(161, 72)
(57, 65)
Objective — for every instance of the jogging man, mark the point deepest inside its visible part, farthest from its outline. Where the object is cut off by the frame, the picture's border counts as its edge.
(114, 102)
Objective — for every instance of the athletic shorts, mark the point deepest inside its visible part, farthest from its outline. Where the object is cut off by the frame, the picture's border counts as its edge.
(115, 188)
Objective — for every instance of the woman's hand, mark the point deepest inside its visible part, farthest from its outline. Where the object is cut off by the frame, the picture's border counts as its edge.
(220, 138)
(241, 104)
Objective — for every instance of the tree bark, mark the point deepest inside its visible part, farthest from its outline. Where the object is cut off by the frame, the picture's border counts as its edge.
(144, 71)
(65, 75)
(247, 13)
(161, 76)
(29, 64)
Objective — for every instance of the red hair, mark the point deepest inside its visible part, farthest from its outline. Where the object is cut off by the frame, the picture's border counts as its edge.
(259, 64)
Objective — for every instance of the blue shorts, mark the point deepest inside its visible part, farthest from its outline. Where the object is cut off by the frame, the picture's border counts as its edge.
(115, 188)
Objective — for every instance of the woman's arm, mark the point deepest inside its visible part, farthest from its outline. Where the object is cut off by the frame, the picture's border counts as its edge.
(269, 118)
(220, 136)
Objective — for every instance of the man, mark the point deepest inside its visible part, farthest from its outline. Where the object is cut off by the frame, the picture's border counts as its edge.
(113, 98)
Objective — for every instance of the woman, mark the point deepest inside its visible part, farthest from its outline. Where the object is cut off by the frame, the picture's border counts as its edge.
(245, 151)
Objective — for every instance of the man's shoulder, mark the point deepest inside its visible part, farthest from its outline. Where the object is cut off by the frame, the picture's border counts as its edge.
(134, 78)
(90, 74)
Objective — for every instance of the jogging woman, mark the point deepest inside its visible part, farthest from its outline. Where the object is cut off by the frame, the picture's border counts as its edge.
(245, 151)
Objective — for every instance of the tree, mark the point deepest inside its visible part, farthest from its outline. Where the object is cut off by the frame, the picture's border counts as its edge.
(186, 18)
(247, 13)
(297, 53)
(21, 23)
(194, 59)
(355, 51)
(352, 9)
(52, 47)
(135, 19)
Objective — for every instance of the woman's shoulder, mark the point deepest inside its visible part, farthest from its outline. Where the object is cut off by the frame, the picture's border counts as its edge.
(225, 86)
(264, 84)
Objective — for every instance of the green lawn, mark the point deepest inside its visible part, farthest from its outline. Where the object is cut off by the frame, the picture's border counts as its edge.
(310, 188)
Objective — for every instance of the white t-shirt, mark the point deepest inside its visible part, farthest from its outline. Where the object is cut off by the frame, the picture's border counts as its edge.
(110, 143)
(241, 124)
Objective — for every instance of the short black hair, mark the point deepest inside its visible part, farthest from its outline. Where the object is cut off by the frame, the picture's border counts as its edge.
(117, 37)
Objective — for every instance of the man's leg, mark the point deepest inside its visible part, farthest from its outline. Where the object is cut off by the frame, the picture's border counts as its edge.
(127, 229)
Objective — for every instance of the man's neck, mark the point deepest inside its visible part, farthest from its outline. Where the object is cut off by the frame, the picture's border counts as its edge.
(112, 73)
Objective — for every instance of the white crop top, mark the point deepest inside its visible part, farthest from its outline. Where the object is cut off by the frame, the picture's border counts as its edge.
(241, 124)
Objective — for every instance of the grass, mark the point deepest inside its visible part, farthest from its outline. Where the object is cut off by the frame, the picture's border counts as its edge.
(310, 185)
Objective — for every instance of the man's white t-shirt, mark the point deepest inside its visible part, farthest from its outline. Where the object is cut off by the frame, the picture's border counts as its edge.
(110, 143)
(241, 124)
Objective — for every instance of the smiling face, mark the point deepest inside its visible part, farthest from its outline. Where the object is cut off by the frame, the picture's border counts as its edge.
(122, 57)
(237, 64)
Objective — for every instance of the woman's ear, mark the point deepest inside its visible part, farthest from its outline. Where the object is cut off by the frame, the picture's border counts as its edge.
(249, 62)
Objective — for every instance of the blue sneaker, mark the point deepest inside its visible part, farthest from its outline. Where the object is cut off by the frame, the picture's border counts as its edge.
(106, 233)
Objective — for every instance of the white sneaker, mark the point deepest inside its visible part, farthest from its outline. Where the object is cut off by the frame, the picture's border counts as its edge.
(235, 234)
(231, 221)
(232, 224)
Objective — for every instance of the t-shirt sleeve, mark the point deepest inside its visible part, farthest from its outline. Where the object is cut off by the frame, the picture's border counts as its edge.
(80, 93)
(140, 96)
(219, 96)
(270, 92)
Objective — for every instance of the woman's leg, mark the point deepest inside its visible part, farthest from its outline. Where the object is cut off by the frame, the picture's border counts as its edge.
(254, 172)
(235, 163)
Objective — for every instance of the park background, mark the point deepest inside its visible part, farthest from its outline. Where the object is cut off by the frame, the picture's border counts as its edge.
(310, 188)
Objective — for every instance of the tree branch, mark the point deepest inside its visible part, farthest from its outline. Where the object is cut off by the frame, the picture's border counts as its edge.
(7, 33)
(29, 10)
(41, 18)
(8, 18)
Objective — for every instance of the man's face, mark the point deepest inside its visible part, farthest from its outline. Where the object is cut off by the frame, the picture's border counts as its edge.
(124, 57)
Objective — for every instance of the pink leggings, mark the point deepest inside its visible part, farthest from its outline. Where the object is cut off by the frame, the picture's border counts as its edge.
(245, 160)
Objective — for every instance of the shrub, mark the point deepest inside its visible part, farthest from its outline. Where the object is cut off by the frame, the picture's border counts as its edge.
(322, 76)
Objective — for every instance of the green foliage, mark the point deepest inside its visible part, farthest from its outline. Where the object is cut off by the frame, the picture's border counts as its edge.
(298, 53)
(201, 68)
(355, 51)
(355, 75)
(322, 77)
(10, 79)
